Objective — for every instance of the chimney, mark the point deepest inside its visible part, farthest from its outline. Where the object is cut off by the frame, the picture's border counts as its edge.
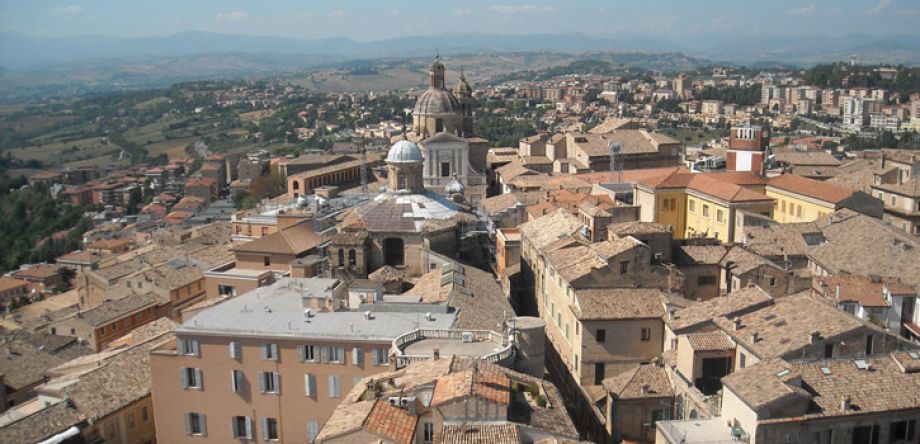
(837, 292)
(671, 314)
(737, 324)
(845, 403)
(814, 336)
(646, 389)
(754, 337)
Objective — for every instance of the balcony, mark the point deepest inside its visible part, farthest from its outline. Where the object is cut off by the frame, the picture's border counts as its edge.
(420, 345)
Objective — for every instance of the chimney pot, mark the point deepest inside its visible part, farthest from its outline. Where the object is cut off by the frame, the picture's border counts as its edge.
(737, 323)
(755, 337)
(845, 403)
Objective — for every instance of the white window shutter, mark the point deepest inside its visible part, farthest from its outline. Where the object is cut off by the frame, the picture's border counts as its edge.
(204, 423)
(375, 356)
(198, 378)
(195, 350)
(235, 350)
(341, 354)
(234, 426)
(302, 351)
(274, 352)
(357, 356)
(331, 386)
(277, 380)
(324, 354)
(181, 344)
(183, 377)
(262, 382)
(312, 430)
(264, 351)
(309, 383)
(188, 423)
(265, 428)
(249, 427)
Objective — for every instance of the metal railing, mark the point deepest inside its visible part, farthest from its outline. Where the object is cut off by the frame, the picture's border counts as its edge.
(400, 343)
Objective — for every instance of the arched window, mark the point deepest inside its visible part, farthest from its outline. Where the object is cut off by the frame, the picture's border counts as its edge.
(438, 125)
(296, 185)
(352, 258)
(341, 257)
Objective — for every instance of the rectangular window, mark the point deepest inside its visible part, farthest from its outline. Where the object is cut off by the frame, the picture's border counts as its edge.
(705, 280)
(190, 378)
(869, 344)
(380, 356)
(598, 373)
(195, 424)
(705, 210)
(902, 431)
(270, 352)
(567, 337)
(828, 351)
(270, 382)
(336, 355)
(601, 335)
(226, 290)
(335, 386)
(270, 429)
(242, 427)
(719, 215)
(307, 353)
(309, 385)
(624, 267)
(866, 434)
(357, 356)
(692, 206)
(428, 432)
(131, 423)
(646, 334)
(236, 380)
(742, 360)
(188, 347)
(236, 350)
(798, 211)
(266, 260)
(312, 430)
(782, 206)
(144, 415)
(445, 169)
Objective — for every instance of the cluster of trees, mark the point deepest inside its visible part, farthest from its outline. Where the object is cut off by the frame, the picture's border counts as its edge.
(839, 75)
(742, 95)
(30, 217)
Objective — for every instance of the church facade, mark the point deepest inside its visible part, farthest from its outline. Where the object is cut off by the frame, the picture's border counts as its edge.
(443, 129)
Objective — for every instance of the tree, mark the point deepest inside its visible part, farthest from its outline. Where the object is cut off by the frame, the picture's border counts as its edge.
(135, 198)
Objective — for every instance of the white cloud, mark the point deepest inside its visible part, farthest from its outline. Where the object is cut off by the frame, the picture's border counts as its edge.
(882, 4)
(804, 10)
(337, 13)
(232, 16)
(462, 12)
(67, 10)
(518, 9)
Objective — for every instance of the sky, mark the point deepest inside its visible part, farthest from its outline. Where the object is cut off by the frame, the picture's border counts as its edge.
(367, 20)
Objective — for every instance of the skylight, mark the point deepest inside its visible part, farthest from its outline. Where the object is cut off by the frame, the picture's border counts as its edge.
(783, 372)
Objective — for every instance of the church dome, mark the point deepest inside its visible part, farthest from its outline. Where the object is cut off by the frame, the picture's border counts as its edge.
(404, 151)
(436, 101)
(454, 187)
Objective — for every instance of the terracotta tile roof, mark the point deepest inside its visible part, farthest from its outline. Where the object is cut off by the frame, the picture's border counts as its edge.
(809, 187)
(624, 229)
(787, 325)
(574, 260)
(42, 424)
(810, 158)
(118, 308)
(544, 230)
(730, 305)
(619, 303)
(769, 383)
(200, 182)
(37, 272)
(862, 245)
(502, 202)
(294, 240)
(699, 254)
(710, 341)
(23, 364)
(865, 290)
(641, 382)
(513, 170)
(347, 417)
(744, 178)
(776, 240)
(490, 386)
(10, 283)
(723, 190)
(632, 176)
(391, 422)
(744, 261)
(478, 434)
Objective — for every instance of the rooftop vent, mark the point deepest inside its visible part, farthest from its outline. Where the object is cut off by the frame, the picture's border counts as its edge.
(861, 364)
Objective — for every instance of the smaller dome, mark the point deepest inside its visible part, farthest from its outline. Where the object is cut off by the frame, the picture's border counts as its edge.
(454, 187)
(463, 88)
(404, 151)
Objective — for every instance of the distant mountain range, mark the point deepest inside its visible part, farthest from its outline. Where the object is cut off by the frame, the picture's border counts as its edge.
(37, 66)
(23, 52)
